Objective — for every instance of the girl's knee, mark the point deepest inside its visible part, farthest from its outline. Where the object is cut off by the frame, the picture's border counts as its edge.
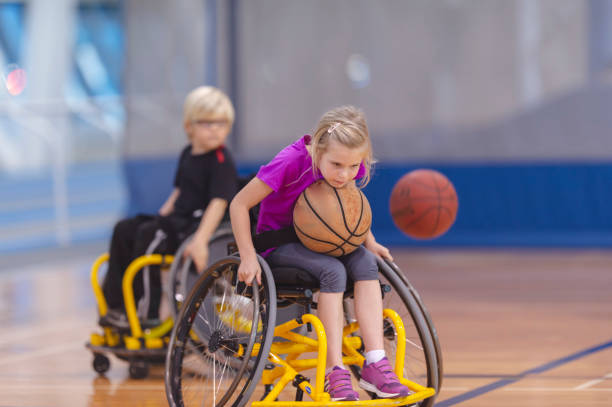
(363, 265)
(333, 279)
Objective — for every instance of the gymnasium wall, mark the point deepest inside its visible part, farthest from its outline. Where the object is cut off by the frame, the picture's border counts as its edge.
(508, 99)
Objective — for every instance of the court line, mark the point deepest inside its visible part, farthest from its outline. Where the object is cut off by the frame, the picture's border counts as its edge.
(555, 389)
(593, 382)
(455, 388)
(536, 370)
(510, 376)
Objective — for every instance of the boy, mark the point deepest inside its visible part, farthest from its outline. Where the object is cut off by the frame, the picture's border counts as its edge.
(204, 184)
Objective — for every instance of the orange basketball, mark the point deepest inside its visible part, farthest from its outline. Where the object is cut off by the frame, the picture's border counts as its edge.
(330, 220)
(423, 204)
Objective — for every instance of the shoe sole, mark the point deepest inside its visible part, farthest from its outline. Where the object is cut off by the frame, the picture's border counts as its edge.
(373, 389)
(342, 398)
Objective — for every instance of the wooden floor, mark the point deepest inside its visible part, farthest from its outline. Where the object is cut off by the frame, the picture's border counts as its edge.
(517, 328)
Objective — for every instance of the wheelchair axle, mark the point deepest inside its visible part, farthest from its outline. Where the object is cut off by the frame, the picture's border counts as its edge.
(217, 341)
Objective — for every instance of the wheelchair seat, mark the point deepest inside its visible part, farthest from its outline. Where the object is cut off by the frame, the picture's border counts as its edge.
(294, 283)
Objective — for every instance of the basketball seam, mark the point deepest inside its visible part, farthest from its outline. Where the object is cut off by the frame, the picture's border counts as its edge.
(320, 240)
(429, 187)
(434, 193)
(425, 213)
(401, 211)
(439, 206)
(325, 223)
(361, 196)
(351, 232)
(430, 197)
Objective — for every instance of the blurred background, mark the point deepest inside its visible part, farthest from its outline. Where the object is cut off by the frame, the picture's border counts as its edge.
(509, 99)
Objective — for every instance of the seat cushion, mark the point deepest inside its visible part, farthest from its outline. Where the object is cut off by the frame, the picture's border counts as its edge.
(294, 278)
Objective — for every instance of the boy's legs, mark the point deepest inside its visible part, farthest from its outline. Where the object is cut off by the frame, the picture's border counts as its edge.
(145, 235)
(120, 255)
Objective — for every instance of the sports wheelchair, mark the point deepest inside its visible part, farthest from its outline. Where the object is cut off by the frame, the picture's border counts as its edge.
(145, 341)
(225, 348)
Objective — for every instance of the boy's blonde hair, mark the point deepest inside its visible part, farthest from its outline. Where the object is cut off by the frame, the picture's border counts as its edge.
(208, 103)
(347, 126)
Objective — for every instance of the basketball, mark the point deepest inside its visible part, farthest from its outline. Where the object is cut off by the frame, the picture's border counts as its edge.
(423, 204)
(333, 221)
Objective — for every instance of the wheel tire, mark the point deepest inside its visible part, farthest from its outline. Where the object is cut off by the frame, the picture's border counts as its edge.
(183, 274)
(218, 317)
(421, 359)
(139, 369)
(101, 363)
(428, 320)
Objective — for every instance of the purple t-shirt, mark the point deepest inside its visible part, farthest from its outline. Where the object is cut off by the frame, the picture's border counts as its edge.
(288, 174)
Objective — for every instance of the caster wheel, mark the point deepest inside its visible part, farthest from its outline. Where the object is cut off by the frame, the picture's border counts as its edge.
(101, 364)
(139, 369)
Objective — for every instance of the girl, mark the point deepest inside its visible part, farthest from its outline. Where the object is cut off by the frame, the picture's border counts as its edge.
(340, 152)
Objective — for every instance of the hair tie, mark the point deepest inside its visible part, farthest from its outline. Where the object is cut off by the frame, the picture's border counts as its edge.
(333, 127)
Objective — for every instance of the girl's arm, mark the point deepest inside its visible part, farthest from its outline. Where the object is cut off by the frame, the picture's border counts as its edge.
(168, 207)
(197, 249)
(249, 196)
(372, 245)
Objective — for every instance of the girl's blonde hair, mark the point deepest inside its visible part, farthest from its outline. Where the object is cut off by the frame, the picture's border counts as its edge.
(207, 103)
(347, 126)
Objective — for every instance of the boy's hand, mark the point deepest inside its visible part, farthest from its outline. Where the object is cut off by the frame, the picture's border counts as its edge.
(198, 253)
(248, 269)
(165, 210)
(378, 249)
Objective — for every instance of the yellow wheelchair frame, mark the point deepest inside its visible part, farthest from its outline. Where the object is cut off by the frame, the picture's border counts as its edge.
(279, 371)
(288, 369)
(138, 346)
(141, 345)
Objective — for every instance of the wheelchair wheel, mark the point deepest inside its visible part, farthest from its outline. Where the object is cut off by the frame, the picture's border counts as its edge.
(421, 361)
(139, 369)
(221, 338)
(101, 363)
(183, 274)
(428, 320)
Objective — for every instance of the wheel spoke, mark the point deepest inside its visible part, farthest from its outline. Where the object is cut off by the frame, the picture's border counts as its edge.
(204, 371)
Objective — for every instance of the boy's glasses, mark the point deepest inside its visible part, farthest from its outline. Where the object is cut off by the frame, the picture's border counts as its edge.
(209, 124)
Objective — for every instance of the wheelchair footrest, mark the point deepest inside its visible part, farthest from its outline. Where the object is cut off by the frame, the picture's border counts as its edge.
(402, 401)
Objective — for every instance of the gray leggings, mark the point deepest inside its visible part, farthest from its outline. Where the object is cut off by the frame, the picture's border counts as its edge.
(330, 271)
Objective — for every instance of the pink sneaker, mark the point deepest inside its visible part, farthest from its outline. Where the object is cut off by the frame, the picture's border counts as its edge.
(379, 378)
(338, 385)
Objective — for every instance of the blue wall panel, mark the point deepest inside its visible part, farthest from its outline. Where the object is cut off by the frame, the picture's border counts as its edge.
(150, 182)
(522, 204)
(519, 205)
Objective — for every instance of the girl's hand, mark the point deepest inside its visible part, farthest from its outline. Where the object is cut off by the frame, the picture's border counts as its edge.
(198, 253)
(249, 268)
(378, 249)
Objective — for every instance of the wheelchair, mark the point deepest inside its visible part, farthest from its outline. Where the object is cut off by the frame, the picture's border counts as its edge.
(226, 347)
(145, 341)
